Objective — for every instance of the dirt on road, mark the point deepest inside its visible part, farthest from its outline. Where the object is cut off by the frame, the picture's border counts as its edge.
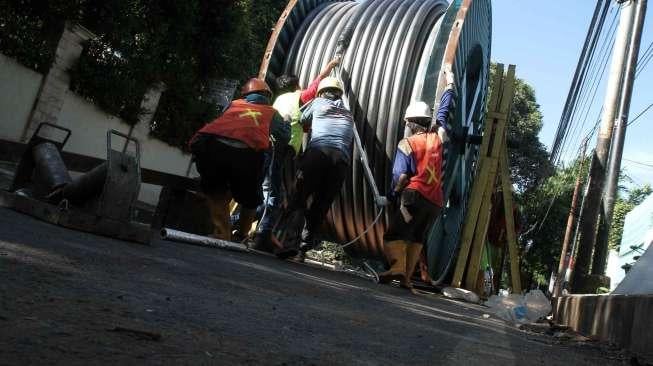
(76, 299)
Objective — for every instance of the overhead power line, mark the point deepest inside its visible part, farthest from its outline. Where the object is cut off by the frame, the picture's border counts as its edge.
(649, 165)
(579, 81)
(570, 128)
(640, 114)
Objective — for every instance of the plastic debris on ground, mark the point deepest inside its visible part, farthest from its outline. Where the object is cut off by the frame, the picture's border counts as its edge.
(520, 309)
(460, 294)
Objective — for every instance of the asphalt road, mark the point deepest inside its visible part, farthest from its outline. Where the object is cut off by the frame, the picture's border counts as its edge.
(63, 294)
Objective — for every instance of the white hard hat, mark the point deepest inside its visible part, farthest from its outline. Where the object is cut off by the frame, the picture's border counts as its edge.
(418, 110)
(330, 83)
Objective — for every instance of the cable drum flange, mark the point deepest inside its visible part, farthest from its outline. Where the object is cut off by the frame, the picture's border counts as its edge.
(395, 55)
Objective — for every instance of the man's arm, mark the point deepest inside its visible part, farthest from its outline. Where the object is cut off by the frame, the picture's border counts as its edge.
(310, 92)
(403, 167)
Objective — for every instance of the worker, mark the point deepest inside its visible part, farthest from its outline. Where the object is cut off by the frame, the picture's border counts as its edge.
(229, 155)
(323, 167)
(291, 98)
(287, 104)
(417, 187)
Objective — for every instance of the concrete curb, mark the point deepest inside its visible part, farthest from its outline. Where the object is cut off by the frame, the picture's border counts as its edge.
(623, 320)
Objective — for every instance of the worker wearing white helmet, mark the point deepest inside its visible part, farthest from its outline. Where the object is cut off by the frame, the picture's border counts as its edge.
(417, 187)
(323, 166)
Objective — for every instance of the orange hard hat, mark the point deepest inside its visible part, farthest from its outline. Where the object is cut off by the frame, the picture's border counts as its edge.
(255, 85)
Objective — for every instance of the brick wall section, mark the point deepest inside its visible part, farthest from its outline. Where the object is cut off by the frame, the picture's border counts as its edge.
(56, 83)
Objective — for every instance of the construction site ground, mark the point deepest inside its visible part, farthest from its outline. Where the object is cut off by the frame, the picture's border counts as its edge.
(73, 298)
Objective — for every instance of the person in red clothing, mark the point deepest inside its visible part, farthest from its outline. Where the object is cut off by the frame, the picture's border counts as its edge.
(289, 83)
(229, 155)
(417, 187)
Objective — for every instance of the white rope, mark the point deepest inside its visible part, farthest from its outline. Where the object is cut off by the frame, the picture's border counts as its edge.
(366, 230)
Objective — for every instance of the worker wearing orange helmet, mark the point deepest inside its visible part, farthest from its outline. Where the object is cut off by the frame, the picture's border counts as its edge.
(229, 155)
(417, 194)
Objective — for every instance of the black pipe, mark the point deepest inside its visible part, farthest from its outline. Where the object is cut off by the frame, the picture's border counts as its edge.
(50, 169)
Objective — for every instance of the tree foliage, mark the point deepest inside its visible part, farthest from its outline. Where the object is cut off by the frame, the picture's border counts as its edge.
(546, 210)
(29, 29)
(529, 159)
(182, 44)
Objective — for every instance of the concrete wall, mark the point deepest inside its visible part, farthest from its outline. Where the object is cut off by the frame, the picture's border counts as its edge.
(622, 320)
(19, 87)
(89, 125)
(638, 230)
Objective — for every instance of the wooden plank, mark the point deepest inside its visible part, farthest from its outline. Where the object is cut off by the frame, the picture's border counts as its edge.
(480, 233)
(480, 183)
(469, 225)
(506, 104)
(515, 273)
(493, 106)
(498, 144)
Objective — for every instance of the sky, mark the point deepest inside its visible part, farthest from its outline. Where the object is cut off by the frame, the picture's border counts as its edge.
(544, 39)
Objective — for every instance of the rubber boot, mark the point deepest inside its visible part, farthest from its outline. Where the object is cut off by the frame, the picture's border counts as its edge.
(294, 223)
(247, 217)
(218, 207)
(413, 252)
(395, 252)
(263, 242)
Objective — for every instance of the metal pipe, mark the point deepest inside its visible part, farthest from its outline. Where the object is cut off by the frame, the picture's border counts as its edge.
(50, 169)
(87, 186)
(205, 241)
(379, 200)
(600, 256)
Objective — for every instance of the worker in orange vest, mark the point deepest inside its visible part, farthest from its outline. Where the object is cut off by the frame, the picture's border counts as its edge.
(229, 155)
(417, 187)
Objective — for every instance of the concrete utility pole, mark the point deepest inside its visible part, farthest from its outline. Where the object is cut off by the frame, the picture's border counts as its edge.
(589, 216)
(571, 219)
(616, 151)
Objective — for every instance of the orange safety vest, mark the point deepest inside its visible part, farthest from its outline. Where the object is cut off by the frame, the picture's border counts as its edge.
(427, 150)
(244, 121)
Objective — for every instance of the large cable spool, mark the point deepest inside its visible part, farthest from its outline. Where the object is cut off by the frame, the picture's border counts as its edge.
(396, 53)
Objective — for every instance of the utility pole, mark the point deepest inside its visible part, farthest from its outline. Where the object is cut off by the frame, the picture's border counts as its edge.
(616, 151)
(589, 216)
(573, 213)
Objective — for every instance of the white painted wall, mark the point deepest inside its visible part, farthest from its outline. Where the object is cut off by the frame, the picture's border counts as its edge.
(19, 87)
(89, 124)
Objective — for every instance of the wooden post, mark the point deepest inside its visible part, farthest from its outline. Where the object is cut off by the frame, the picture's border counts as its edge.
(478, 214)
(478, 244)
(478, 188)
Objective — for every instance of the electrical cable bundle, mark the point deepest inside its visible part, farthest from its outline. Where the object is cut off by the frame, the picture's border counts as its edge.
(395, 55)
